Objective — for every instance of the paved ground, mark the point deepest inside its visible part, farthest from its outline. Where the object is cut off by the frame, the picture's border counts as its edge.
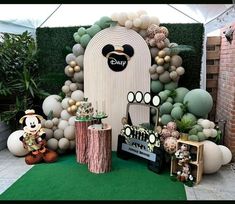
(218, 186)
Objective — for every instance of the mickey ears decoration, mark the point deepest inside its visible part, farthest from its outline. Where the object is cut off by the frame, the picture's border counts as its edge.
(139, 97)
(118, 56)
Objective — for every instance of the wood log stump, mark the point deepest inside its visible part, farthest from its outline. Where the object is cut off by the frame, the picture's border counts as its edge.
(81, 134)
(99, 149)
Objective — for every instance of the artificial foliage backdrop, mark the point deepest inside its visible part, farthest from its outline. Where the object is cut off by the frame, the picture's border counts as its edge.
(55, 43)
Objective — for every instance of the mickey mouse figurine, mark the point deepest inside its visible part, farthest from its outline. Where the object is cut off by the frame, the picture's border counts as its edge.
(34, 139)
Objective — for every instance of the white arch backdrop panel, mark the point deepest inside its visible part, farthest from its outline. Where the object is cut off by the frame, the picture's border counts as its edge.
(103, 84)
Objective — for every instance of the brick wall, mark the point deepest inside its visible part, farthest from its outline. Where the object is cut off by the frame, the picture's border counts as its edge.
(226, 90)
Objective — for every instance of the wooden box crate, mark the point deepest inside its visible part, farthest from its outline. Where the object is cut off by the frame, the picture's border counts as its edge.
(196, 162)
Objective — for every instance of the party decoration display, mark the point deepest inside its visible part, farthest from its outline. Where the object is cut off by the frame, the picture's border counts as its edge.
(33, 139)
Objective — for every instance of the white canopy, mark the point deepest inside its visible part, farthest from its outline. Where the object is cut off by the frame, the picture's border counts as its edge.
(15, 18)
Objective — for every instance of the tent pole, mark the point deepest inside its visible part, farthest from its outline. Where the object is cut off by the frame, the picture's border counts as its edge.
(50, 15)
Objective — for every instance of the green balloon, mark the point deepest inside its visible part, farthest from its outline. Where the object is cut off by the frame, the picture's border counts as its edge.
(93, 30)
(199, 102)
(156, 86)
(166, 108)
(166, 118)
(193, 138)
(105, 22)
(170, 86)
(81, 31)
(85, 39)
(76, 37)
(180, 94)
(189, 117)
(177, 113)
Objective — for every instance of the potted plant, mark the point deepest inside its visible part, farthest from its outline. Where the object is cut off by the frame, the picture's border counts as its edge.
(19, 79)
(183, 126)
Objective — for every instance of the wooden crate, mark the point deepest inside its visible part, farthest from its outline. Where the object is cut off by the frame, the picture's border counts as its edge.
(196, 163)
(212, 69)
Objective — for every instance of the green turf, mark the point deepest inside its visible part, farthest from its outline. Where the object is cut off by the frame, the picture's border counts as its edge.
(68, 180)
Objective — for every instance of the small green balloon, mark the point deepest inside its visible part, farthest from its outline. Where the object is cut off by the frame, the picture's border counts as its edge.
(76, 37)
(81, 31)
(156, 86)
(85, 39)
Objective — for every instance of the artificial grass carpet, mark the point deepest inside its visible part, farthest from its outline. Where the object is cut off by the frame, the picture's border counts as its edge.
(68, 180)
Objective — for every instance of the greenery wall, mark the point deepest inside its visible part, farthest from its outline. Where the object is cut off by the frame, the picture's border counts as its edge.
(52, 44)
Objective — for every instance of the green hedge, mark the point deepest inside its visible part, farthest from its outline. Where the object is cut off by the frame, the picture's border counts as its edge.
(52, 44)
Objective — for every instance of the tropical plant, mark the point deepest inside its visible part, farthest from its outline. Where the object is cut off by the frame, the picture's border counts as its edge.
(19, 74)
(184, 125)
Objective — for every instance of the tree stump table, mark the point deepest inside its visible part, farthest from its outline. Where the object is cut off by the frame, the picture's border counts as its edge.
(81, 134)
(99, 149)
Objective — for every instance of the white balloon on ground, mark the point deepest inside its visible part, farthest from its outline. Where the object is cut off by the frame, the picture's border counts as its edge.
(226, 154)
(52, 144)
(63, 143)
(212, 157)
(52, 103)
(14, 145)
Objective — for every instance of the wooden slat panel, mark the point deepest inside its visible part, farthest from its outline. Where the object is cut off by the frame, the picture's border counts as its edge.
(103, 84)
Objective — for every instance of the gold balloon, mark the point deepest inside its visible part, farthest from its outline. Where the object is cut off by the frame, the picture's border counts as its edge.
(73, 108)
(77, 68)
(160, 61)
(78, 103)
(162, 53)
(167, 58)
(71, 102)
(71, 71)
(156, 58)
(69, 109)
(72, 63)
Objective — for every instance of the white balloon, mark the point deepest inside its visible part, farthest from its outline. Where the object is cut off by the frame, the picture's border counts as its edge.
(137, 22)
(77, 95)
(226, 154)
(79, 77)
(122, 18)
(49, 133)
(154, 20)
(73, 86)
(55, 121)
(63, 124)
(72, 120)
(78, 50)
(70, 57)
(64, 103)
(67, 82)
(63, 143)
(65, 89)
(59, 133)
(72, 144)
(69, 132)
(212, 157)
(52, 144)
(132, 15)
(52, 103)
(14, 145)
(79, 61)
(65, 115)
(114, 16)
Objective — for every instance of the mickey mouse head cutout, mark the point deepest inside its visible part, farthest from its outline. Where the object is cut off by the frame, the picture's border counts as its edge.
(118, 56)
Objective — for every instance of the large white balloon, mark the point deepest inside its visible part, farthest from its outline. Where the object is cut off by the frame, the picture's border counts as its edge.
(52, 103)
(226, 154)
(212, 157)
(14, 145)
(78, 50)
